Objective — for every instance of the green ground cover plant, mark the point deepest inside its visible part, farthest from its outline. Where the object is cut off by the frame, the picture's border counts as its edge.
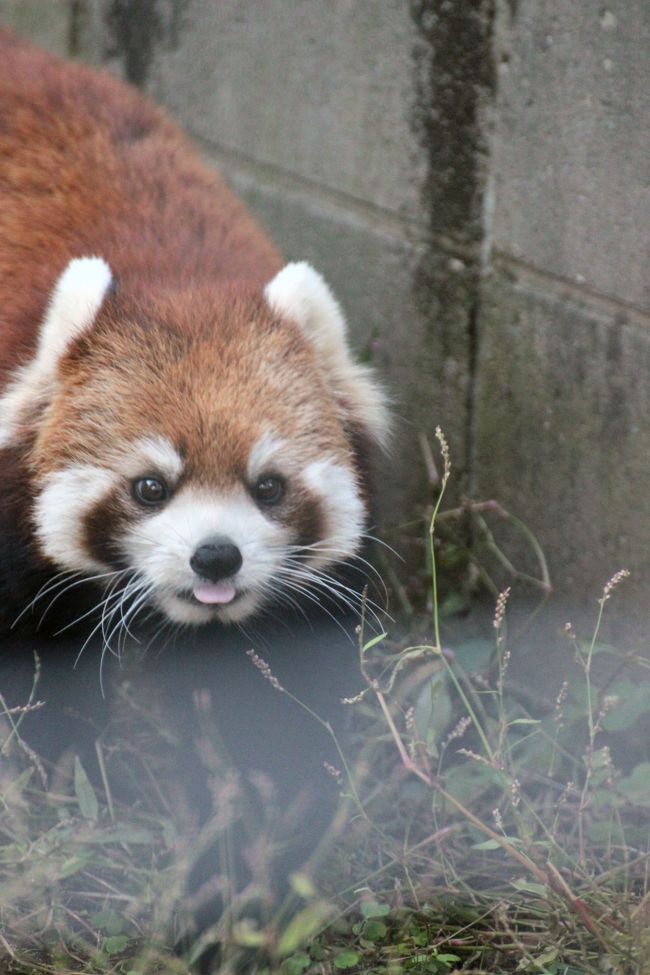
(484, 825)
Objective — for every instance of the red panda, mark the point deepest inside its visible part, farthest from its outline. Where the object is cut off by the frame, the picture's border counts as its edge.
(182, 423)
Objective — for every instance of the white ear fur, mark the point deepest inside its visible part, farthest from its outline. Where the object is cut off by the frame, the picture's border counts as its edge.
(73, 307)
(77, 298)
(299, 293)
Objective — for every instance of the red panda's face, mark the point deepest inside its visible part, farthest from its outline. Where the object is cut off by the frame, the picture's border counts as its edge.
(197, 455)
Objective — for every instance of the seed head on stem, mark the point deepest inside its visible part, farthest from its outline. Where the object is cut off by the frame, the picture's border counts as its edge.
(265, 670)
(613, 583)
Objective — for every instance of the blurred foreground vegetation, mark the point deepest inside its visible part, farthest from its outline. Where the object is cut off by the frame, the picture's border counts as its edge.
(486, 824)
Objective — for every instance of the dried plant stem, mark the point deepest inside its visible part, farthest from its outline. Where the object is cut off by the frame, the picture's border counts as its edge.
(407, 762)
(411, 766)
(268, 675)
(107, 787)
(477, 508)
(586, 662)
(432, 526)
(549, 877)
(470, 710)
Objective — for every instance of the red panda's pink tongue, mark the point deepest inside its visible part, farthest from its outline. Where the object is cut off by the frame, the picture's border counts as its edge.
(214, 592)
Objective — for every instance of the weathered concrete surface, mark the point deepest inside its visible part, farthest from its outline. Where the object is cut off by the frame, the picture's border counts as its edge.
(561, 407)
(562, 431)
(322, 91)
(571, 147)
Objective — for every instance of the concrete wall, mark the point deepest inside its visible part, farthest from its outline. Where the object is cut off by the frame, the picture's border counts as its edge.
(563, 370)
(472, 177)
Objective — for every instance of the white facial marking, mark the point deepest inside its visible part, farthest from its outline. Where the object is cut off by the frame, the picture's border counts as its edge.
(161, 545)
(66, 497)
(336, 486)
(77, 298)
(153, 454)
(264, 454)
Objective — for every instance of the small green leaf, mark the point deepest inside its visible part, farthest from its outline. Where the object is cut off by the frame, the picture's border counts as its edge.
(495, 845)
(523, 721)
(373, 643)
(246, 934)
(19, 783)
(628, 703)
(602, 648)
(453, 605)
(530, 888)
(374, 930)
(132, 836)
(347, 959)
(303, 926)
(374, 909)
(86, 795)
(469, 779)
(433, 710)
(606, 832)
(547, 957)
(296, 964)
(302, 885)
(116, 944)
(636, 786)
(108, 921)
(72, 866)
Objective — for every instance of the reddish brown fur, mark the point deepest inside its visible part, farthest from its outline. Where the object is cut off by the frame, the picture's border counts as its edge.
(89, 166)
(207, 380)
(185, 347)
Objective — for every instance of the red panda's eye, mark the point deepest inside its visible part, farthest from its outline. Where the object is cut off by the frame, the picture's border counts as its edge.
(268, 489)
(150, 490)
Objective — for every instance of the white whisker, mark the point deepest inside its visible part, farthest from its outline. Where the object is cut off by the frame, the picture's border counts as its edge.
(93, 609)
(323, 548)
(59, 579)
(380, 541)
(336, 588)
(140, 592)
(312, 597)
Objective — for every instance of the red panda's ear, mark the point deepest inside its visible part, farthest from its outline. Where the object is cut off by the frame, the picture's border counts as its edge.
(73, 307)
(300, 294)
(74, 304)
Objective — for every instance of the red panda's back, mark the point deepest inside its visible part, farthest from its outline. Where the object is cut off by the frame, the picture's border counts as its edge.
(88, 166)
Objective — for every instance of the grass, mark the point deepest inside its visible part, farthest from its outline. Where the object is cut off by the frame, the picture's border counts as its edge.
(482, 827)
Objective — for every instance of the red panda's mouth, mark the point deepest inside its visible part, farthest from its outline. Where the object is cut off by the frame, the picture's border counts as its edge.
(214, 593)
(210, 594)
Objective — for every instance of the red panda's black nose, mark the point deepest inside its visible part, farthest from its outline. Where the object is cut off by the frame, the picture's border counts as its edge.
(216, 558)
